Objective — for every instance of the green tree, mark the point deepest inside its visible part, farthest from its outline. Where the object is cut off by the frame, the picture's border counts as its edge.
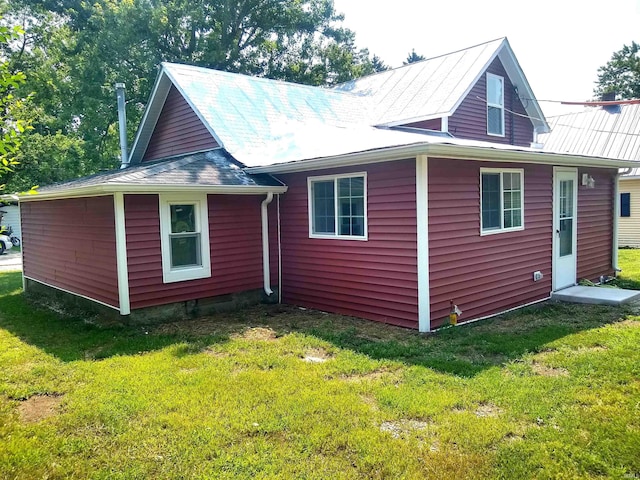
(11, 125)
(76, 50)
(621, 74)
(413, 57)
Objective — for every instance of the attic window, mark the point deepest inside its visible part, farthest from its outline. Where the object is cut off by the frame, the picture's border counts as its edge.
(495, 105)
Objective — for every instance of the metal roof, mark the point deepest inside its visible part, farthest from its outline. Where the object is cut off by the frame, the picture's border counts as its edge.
(611, 132)
(435, 87)
(211, 168)
(261, 121)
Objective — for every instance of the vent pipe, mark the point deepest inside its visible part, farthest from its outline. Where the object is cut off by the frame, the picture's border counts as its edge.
(122, 123)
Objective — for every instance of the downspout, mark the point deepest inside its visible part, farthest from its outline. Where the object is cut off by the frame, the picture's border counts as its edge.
(616, 220)
(279, 255)
(265, 244)
(122, 124)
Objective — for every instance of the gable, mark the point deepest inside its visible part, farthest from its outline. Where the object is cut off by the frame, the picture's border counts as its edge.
(470, 118)
(178, 130)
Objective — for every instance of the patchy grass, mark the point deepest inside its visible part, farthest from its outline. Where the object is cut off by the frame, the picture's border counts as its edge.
(629, 262)
(547, 392)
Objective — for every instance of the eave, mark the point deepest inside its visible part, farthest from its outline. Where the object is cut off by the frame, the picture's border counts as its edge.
(109, 189)
(460, 152)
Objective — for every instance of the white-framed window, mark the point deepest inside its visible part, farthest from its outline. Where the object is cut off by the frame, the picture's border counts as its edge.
(184, 237)
(338, 206)
(501, 200)
(495, 105)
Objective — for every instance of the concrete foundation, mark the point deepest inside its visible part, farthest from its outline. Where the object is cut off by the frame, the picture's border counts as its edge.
(79, 306)
(596, 295)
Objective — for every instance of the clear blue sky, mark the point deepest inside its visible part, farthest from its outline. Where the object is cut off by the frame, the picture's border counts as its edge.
(559, 43)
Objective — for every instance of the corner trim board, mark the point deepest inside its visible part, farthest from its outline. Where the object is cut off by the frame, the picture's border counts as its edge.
(422, 215)
(121, 254)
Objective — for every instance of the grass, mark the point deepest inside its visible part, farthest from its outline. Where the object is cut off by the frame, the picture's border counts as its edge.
(279, 392)
(629, 261)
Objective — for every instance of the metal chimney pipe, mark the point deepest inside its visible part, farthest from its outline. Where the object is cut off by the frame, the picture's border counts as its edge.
(122, 122)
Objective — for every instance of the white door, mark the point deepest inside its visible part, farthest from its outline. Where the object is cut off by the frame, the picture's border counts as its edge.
(565, 227)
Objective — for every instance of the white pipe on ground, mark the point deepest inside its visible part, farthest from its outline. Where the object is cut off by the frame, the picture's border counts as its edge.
(265, 244)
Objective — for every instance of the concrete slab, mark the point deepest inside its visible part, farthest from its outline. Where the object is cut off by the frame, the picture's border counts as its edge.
(596, 295)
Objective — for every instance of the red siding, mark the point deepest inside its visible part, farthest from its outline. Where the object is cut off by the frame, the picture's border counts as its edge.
(236, 250)
(488, 274)
(71, 244)
(433, 124)
(374, 279)
(178, 131)
(470, 119)
(595, 224)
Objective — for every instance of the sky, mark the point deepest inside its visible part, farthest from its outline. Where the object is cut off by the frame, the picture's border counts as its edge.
(559, 43)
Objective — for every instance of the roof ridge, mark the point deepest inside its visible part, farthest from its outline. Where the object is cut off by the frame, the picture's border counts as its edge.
(412, 64)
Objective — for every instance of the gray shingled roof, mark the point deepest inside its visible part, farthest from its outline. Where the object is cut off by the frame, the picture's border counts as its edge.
(601, 132)
(211, 168)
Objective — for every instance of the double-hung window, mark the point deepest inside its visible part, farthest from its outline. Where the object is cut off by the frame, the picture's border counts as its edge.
(184, 237)
(501, 200)
(338, 206)
(495, 105)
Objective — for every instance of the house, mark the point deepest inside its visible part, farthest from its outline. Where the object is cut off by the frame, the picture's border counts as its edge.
(386, 198)
(11, 215)
(609, 131)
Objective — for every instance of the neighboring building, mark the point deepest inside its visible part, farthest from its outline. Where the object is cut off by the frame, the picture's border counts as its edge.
(613, 132)
(384, 198)
(11, 217)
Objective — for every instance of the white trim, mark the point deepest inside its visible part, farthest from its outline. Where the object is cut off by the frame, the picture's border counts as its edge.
(279, 253)
(71, 293)
(422, 214)
(21, 246)
(503, 312)
(495, 105)
(121, 254)
(170, 275)
(335, 178)
(555, 226)
(109, 189)
(486, 153)
(502, 229)
(266, 267)
(444, 124)
(616, 223)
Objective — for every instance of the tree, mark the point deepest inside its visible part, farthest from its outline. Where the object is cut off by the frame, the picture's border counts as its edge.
(621, 74)
(378, 65)
(413, 57)
(11, 125)
(75, 50)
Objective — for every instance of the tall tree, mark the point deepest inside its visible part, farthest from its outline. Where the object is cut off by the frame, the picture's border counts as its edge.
(413, 57)
(621, 74)
(77, 50)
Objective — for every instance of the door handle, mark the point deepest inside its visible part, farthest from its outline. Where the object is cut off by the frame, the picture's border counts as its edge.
(557, 232)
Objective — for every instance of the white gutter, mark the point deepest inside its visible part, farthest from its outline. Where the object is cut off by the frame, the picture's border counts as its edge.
(444, 150)
(109, 189)
(266, 271)
(616, 220)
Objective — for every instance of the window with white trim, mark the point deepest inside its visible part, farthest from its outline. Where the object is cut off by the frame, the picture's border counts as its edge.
(501, 200)
(495, 105)
(184, 237)
(338, 206)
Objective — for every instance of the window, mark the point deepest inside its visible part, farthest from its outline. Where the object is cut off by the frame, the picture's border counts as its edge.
(625, 204)
(338, 206)
(501, 200)
(184, 237)
(495, 105)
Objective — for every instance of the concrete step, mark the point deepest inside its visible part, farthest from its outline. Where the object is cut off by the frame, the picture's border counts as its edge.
(596, 295)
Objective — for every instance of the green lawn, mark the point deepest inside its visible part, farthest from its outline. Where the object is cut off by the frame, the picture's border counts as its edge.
(629, 262)
(279, 392)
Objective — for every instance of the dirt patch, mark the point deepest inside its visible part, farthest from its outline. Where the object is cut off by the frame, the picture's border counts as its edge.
(595, 348)
(259, 333)
(404, 427)
(39, 407)
(546, 371)
(372, 376)
(214, 353)
(316, 355)
(488, 410)
(629, 323)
